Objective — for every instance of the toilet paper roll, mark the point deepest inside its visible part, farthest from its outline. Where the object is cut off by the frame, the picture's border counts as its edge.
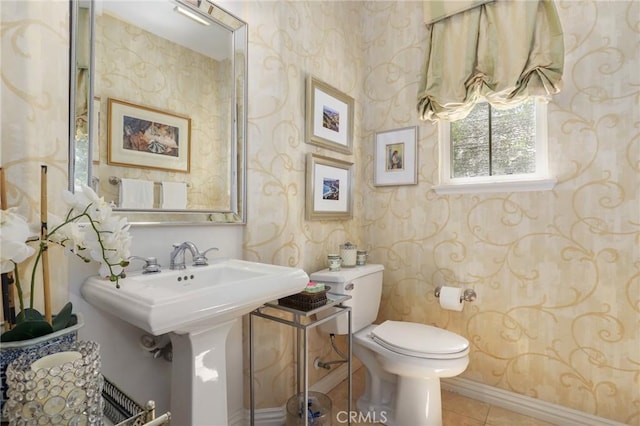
(451, 298)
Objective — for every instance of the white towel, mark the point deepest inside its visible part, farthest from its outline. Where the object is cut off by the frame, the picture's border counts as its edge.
(136, 194)
(174, 195)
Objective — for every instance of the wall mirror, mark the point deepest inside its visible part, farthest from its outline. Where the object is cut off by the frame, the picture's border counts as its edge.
(157, 101)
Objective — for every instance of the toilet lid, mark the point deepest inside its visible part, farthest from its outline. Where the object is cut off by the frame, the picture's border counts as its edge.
(420, 340)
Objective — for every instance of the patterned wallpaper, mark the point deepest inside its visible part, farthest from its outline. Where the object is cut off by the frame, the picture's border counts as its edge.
(287, 40)
(557, 273)
(34, 99)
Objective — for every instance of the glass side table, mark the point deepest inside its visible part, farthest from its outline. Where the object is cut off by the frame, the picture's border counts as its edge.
(302, 321)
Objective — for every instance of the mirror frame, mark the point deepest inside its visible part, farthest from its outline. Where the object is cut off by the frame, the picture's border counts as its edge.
(239, 29)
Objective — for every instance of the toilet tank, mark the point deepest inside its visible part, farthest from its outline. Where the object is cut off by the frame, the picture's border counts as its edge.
(364, 285)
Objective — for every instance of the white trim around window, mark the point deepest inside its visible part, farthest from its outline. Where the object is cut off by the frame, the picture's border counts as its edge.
(538, 181)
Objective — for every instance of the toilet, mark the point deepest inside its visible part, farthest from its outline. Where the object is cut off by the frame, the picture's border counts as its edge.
(404, 361)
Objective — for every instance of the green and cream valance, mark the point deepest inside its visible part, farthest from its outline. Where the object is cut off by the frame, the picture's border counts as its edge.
(503, 51)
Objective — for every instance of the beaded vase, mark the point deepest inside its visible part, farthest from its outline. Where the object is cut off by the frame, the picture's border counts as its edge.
(69, 394)
(10, 351)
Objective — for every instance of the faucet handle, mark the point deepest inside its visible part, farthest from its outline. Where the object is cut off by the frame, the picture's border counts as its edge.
(150, 264)
(200, 259)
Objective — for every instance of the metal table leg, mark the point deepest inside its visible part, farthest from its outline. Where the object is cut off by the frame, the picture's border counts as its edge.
(302, 343)
(349, 393)
(305, 370)
(252, 402)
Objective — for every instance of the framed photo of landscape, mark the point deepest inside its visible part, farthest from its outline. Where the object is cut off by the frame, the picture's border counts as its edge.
(329, 117)
(147, 138)
(329, 188)
(395, 157)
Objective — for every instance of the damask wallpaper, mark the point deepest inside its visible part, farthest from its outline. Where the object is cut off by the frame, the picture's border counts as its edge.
(34, 99)
(557, 272)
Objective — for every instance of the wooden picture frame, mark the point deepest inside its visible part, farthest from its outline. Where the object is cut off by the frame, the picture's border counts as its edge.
(147, 138)
(329, 117)
(395, 157)
(329, 188)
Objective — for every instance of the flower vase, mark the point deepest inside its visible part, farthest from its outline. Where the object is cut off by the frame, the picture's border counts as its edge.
(10, 351)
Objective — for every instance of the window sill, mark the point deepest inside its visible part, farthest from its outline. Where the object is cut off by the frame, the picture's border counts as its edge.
(496, 186)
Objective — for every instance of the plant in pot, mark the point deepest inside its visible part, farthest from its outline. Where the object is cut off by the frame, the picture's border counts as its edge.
(90, 231)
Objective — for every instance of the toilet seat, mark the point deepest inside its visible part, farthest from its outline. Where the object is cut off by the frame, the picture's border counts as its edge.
(420, 340)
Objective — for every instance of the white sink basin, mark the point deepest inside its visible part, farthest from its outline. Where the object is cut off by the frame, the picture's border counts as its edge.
(183, 301)
(197, 306)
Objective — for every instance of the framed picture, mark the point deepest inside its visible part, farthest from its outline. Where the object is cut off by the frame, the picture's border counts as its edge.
(147, 138)
(329, 188)
(395, 157)
(329, 117)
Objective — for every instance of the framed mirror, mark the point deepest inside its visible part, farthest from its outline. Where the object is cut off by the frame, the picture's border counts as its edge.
(158, 109)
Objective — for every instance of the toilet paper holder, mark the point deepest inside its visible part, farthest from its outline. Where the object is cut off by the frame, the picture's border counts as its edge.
(469, 295)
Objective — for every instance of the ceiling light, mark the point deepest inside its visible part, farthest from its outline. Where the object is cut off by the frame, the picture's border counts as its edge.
(192, 15)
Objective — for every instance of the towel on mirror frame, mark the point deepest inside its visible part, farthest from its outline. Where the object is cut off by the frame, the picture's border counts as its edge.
(173, 195)
(136, 194)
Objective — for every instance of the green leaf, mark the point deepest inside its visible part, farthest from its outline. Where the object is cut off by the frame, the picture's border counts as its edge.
(26, 330)
(29, 314)
(63, 319)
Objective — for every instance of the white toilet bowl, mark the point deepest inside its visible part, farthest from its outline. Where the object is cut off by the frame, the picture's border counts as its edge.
(404, 361)
(403, 380)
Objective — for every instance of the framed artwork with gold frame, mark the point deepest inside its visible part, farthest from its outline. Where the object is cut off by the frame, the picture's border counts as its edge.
(147, 138)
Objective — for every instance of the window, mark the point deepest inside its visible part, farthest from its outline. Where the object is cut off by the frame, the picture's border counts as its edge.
(495, 150)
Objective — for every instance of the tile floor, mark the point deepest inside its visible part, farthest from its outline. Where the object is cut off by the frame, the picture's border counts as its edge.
(457, 410)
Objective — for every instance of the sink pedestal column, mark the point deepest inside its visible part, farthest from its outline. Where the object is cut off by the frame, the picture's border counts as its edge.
(199, 375)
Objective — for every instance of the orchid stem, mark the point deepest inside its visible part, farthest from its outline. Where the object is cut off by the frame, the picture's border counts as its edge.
(16, 276)
(33, 274)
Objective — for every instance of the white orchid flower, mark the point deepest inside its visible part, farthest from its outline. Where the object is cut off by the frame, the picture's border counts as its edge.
(14, 232)
(89, 230)
(69, 198)
(106, 238)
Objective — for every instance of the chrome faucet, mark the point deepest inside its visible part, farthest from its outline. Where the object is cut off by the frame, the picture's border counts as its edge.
(176, 259)
(150, 264)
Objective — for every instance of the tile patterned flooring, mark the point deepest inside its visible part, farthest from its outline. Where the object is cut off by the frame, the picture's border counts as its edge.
(457, 410)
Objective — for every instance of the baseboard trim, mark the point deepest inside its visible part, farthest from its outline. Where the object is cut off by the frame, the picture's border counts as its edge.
(508, 400)
(278, 416)
(267, 416)
(237, 418)
(523, 404)
(331, 380)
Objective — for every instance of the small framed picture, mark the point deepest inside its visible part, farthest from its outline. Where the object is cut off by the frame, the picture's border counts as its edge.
(329, 188)
(395, 157)
(329, 121)
(147, 138)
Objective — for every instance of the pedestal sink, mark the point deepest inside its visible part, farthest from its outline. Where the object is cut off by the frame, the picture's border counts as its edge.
(197, 306)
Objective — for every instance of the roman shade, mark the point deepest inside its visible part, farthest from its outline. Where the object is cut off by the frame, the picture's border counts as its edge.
(503, 51)
(437, 10)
